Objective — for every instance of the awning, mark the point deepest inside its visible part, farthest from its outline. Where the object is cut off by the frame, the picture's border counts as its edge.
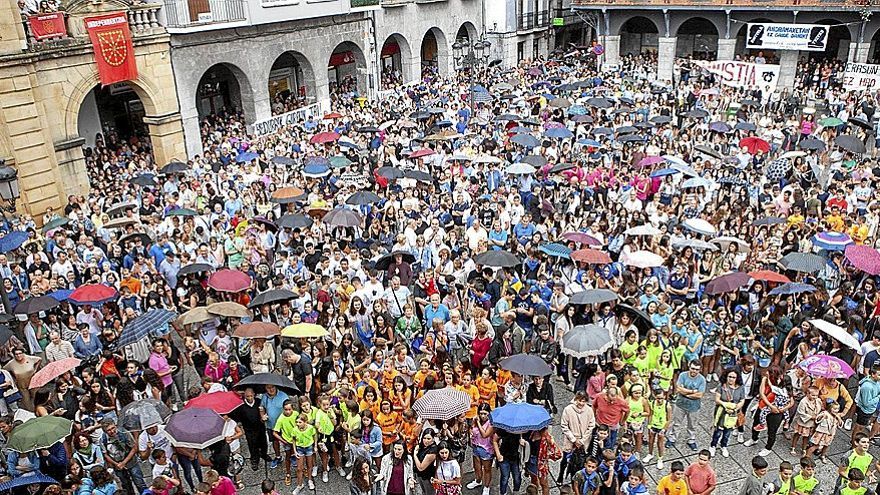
(390, 48)
(341, 58)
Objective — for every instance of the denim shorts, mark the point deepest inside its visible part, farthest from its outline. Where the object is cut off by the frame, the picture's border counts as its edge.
(305, 451)
(708, 350)
(482, 454)
(532, 465)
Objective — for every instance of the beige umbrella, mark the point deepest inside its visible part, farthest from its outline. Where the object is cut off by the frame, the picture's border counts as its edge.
(118, 223)
(229, 310)
(195, 315)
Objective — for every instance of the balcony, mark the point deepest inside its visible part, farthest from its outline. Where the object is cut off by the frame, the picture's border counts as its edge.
(395, 3)
(533, 20)
(762, 4)
(60, 29)
(191, 13)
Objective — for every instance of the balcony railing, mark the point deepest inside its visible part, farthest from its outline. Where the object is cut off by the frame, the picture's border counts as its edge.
(187, 13)
(542, 19)
(50, 30)
(533, 20)
(726, 3)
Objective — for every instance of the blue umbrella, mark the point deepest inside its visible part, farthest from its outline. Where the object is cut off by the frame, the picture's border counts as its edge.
(558, 133)
(348, 144)
(482, 97)
(555, 249)
(60, 295)
(695, 182)
(589, 142)
(27, 480)
(315, 170)
(663, 172)
(246, 157)
(12, 241)
(150, 323)
(316, 160)
(792, 288)
(526, 140)
(577, 110)
(520, 417)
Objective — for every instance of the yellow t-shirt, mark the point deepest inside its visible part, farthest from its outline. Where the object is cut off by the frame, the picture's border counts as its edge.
(305, 438)
(286, 425)
(669, 487)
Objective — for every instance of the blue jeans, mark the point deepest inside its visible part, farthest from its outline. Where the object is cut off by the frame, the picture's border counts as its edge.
(722, 434)
(187, 464)
(612, 438)
(508, 468)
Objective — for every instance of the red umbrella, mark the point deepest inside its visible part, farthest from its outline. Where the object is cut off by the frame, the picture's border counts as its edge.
(581, 238)
(422, 153)
(93, 294)
(229, 281)
(769, 276)
(219, 402)
(52, 371)
(591, 257)
(753, 144)
(865, 258)
(332, 115)
(324, 137)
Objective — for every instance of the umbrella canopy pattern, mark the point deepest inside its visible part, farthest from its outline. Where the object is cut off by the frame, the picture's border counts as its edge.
(153, 323)
(52, 371)
(803, 262)
(35, 305)
(142, 414)
(498, 259)
(304, 331)
(228, 309)
(38, 433)
(443, 404)
(219, 402)
(257, 330)
(864, 258)
(585, 341)
(526, 365)
(195, 428)
(229, 281)
(259, 382)
(593, 296)
(93, 294)
(825, 366)
(731, 282)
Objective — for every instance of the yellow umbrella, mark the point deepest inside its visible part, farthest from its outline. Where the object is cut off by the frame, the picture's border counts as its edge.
(304, 331)
(229, 310)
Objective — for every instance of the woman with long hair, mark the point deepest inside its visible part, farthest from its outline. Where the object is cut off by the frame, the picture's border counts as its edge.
(396, 472)
(484, 453)
(363, 477)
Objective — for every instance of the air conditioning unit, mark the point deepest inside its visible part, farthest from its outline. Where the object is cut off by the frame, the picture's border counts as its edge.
(206, 17)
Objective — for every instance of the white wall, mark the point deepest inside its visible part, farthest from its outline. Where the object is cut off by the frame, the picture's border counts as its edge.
(268, 11)
(89, 119)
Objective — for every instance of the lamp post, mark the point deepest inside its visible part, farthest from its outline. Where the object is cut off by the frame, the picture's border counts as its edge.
(471, 55)
(9, 193)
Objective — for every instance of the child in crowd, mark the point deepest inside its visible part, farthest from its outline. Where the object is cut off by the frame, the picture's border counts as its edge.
(827, 423)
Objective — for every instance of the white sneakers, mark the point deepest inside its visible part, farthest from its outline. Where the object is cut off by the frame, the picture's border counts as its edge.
(750, 442)
(725, 452)
(485, 490)
(298, 489)
(314, 471)
(739, 437)
(660, 463)
(712, 451)
(847, 425)
(341, 472)
(473, 485)
(311, 485)
(764, 452)
(647, 458)
(324, 477)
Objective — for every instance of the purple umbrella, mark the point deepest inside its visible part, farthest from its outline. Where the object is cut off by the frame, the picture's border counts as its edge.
(651, 160)
(195, 428)
(865, 258)
(581, 238)
(826, 367)
(719, 127)
(727, 283)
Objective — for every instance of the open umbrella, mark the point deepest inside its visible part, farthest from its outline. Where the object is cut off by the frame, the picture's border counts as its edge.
(228, 309)
(174, 167)
(181, 212)
(525, 140)
(520, 169)
(864, 258)
(272, 296)
(196, 315)
(193, 268)
(295, 221)
(754, 144)
(730, 282)
(34, 305)
(830, 122)
(144, 413)
(55, 223)
(227, 280)
(13, 240)
(52, 371)
(343, 217)
(777, 169)
(642, 259)
(219, 402)
(258, 382)
(639, 318)
(195, 428)
(555, 249)
(581, 238)
(591, 256)
(93, 294)
(519, 417)
(725, 242)
(837, 332)
(720, 127)
(825, 366)
(30, 480)
(418, 175)
(699, 226)
(536, 161)
(695, 244)
(812, 144)
(646, 230)
(593, 296)
(304, 331)
(832, 241)
(286, 195)
(792, 288)
(526, 365)
(134, 237)
(324, 137)
(149, 324)
(803, 262)
(497, 259)
(257, 330)
(363, 198)
(850, 143)
(38, 433)
(769, 276)
(144, 180)
(385, 261)
(443, 404)
(586, 341)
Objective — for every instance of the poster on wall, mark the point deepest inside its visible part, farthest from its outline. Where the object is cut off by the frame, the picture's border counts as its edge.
(773, 36)
(114, 51)
(743, 74)
(861, 77)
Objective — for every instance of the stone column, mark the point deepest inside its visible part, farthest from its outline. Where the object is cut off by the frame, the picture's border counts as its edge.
(322, 87)
(788, 60)
(612, 49)
(262, 105)
(167, 138)
(665, 57)
(726, 48)
(858, 52)
(12, 36)
(411, 68)
(72, 166)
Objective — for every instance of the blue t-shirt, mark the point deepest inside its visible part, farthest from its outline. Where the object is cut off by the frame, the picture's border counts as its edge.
(274, 407)
(523, 320)
(697, 383)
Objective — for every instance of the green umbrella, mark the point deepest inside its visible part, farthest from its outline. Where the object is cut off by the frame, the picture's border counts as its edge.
(38, 433)
(55, 223)
(181, 212)
(340, 161)
(830, 122)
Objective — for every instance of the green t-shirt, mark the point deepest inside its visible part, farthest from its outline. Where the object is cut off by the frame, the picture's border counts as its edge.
(305, 438)
(626, 349)
(286, 425)
(863, 462)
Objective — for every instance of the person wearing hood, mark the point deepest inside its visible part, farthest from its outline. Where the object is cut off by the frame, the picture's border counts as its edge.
(578, 423)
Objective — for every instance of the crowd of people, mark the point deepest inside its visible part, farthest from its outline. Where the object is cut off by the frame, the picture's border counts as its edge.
(660, 253)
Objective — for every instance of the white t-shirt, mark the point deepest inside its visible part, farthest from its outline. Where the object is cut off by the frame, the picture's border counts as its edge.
(228, 431)
(160, 441)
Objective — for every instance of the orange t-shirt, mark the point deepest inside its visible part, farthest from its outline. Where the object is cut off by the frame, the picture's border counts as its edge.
(419, 378)
(488, 391)
(474, 394)
(400, 401)
(387, 379)
(502, 377)
(374, 407)
(410, 433)
(388, 423)
(362, 384)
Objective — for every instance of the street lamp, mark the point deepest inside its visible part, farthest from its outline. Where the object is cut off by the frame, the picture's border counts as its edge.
(9, 193)
(471, 55)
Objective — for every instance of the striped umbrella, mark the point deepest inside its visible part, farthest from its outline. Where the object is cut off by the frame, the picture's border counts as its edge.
(148, 324)
(556, 250)
(831, 241)
(803, 262)
(443, 404)
(792, 288)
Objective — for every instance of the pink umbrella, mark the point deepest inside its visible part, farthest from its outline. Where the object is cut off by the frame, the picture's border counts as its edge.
(229, 281)
(865, 258)
(52, 371)
(825, 366)
(324, 137)
(581, 238)
(422, 153)
(650, 160)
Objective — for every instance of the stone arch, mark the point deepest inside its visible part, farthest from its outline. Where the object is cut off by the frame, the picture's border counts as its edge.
(638, 34)
(346, 65)
(291, 73)
(145, 89)
(839, 37)
(231, 89)
(468, 31)
(741, 33)
(396, 58)
(697, 37)
(434, 51)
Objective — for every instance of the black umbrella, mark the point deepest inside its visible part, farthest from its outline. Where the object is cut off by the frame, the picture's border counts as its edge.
(295, 221)
(850, 143)
(745, 126)
(640, 319)
(283, 160)
(562, 167)
(600, 131)
(272, 296)
(626, 129)
(259, 381)
(368, 129)
(536, 161)
(812, 144)
(631, 138)
(864, 124)
(195, 268)
(144, 237)
(5, 333)
(35, 305)
(526, 140)
(661, 119)
(343, 217)
(390, 173)
(508, 117)
(593, 296)
(526, 365)
(418, 175)
(708, 151)
(498, 259)
(385, 261)
(420, 115)
(749, 102)
(363, 198)
(600, 102)
(144, 180)
(697, 113)
(174, 167)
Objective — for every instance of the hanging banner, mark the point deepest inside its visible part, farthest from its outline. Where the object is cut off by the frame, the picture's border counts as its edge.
(114, 51)
(46, 26)
(861, 77)
(278, 122)
(772, 36)
(743, 74)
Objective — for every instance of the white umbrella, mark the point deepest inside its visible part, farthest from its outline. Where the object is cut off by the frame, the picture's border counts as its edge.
(520, 168)
(486, 159)
(838, 333)
(793, 154)
(699, 226)
(643, 259)
(725, 242)
(642, 230)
